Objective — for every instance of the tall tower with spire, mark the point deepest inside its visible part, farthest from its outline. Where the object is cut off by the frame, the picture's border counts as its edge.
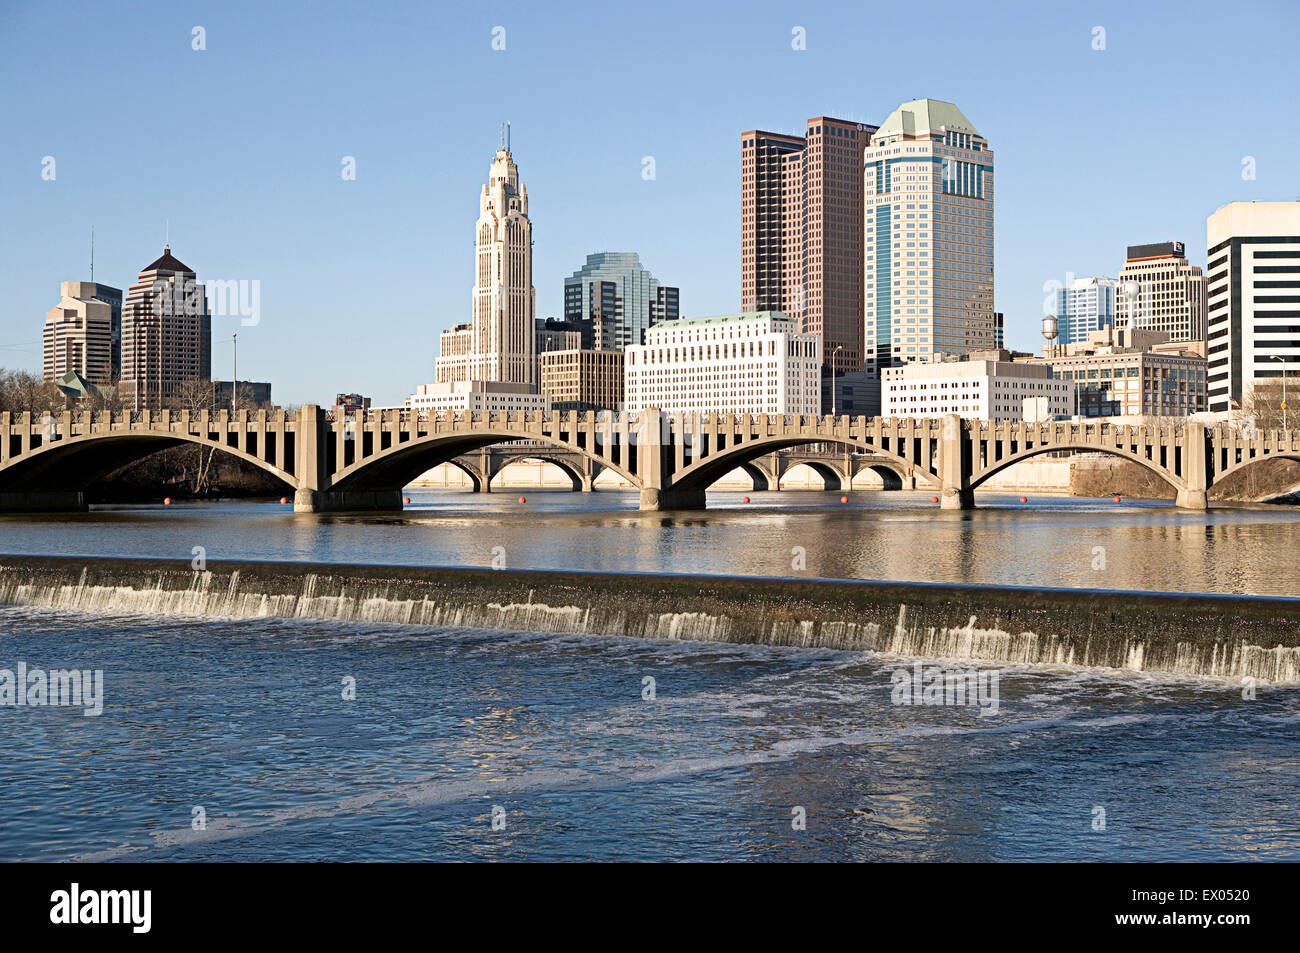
(499, 343)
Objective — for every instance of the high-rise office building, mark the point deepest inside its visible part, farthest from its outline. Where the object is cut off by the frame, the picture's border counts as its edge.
(166, 333)
(801, 239)
(78, 334)
(616, 300)
(929, 237)
(1083, 306)
(112, 297)
(499, 342)
(1254, 298)
(1159, 291)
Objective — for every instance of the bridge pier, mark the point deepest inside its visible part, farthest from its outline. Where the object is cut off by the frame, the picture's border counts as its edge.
(956, 498)
(653, 498)
(46, 501)
(346, 501)
(1195, 470)
(954, 466)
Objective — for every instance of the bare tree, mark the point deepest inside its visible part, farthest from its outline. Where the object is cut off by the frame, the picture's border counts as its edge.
(23, 391)
(1264, 403)
(196, 396)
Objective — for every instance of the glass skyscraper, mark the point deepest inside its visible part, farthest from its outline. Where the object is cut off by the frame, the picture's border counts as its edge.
(616, 300)
(1084, 306)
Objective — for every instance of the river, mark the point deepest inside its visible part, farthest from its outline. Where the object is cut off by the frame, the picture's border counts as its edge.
(232, 739)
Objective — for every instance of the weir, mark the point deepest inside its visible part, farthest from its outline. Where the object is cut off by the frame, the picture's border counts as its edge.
(1183, 634)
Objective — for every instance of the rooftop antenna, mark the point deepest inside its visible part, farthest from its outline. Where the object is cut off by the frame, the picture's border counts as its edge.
(92, 254)
(501, 137)
(167, 233)
(507, 135)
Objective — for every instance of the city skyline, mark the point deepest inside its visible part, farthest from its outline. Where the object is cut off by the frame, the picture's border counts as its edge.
(265, 199)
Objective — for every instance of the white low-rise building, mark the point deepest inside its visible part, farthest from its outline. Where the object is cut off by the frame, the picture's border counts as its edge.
(752, 363)
(983, 387)
(477, 396)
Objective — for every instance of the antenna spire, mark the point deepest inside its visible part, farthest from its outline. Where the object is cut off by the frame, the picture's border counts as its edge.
(507, 135)
(92, 254)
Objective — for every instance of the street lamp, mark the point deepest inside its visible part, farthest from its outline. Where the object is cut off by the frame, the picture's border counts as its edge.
(838, 348)
(234, 372)
(1278, 357)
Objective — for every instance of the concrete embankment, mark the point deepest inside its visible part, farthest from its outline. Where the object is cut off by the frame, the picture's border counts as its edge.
(1167, 632)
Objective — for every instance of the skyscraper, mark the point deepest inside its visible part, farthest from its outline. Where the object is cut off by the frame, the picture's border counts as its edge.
(616, 300)
(166, 333)
(499, 343)
(1159, 291)
(78, 334)
(929, 236)
(801, 239)
(1084, 306)
(1254, 299)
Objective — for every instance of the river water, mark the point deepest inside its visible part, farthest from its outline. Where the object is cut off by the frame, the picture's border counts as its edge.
(563, 741)
(1048, 541)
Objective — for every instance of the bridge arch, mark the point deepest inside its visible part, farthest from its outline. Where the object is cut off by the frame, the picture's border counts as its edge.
(762, 479)
(981, 476)
(576, 477)
(699, 475)
(73, 464)
(1221, 475)
(395, 466)
(471, 471)
(890, 477)
(832, 478)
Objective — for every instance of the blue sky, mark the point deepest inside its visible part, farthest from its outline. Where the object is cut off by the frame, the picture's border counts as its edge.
(240, 147)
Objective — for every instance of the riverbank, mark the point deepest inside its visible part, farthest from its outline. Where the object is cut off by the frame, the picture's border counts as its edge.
(1184, 634)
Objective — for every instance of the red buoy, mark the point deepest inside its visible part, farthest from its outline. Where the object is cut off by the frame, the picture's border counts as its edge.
(167, 501)
(844, 499)
(1117, 499)
(934, 499)
(1024, 499)
(523, 499)
(406, 499)
(284, 499)
(745, 500)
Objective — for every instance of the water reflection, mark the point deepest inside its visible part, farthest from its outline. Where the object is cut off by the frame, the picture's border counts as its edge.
(1048, 541)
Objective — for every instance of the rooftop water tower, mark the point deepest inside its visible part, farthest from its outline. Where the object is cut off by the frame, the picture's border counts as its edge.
(1051, 331)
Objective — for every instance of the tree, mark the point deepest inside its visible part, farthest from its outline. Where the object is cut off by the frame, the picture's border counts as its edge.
(196, 396)
(1264, 404)
(22, 391)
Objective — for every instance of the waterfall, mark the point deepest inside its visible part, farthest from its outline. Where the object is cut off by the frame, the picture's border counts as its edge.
(1228, 637)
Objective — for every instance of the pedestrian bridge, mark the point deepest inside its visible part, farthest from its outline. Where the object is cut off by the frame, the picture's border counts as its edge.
(362, 462)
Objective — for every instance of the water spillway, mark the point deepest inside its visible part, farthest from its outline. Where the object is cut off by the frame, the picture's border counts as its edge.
(1186, 634)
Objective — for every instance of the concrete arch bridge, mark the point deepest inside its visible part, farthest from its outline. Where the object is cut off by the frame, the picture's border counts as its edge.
(362, 462)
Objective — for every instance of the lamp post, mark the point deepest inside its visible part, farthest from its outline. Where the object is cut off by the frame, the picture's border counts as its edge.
(1278, 357)
(234, 372)
(838, 348)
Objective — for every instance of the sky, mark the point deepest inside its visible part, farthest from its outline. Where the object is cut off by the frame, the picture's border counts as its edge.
(236, 151)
